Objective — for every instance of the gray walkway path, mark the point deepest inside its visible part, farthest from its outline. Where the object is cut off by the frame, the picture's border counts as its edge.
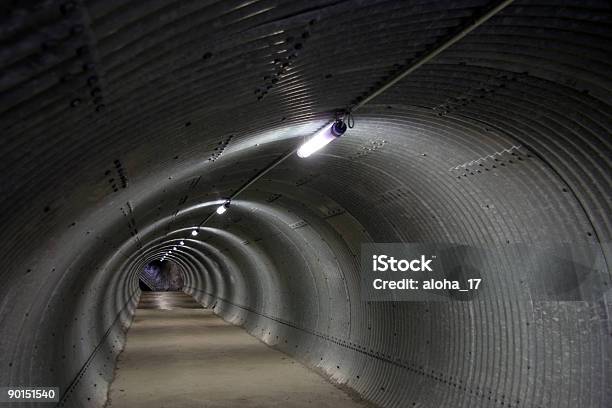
(181, 355)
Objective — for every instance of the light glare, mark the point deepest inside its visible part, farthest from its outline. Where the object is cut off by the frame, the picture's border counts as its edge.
(321, 139)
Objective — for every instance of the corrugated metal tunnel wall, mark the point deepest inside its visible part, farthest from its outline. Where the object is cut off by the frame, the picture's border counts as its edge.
(123, 121)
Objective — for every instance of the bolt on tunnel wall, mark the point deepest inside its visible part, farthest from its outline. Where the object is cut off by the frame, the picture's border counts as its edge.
(164, 136)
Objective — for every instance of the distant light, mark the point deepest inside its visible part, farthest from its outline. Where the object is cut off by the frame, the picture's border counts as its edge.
(322, 138)
(194, 233)
(223, 207)
(174, 248)
(182, 242)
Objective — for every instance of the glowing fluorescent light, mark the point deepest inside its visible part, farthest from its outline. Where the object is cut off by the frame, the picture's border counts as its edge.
(223, 208)
(322, 138)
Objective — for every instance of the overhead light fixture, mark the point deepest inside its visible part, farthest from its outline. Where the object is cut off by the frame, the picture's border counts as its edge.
(322, 138)
(194, 233)
(174, 248)
(182, 242)
(223, 207)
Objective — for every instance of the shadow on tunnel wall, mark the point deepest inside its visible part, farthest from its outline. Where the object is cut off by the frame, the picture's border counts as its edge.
(124, 123)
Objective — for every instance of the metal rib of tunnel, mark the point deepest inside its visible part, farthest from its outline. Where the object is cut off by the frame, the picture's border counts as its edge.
(125, 124)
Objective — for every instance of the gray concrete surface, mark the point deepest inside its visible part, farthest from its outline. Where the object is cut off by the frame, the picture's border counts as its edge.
(123, 122)
(181, 355)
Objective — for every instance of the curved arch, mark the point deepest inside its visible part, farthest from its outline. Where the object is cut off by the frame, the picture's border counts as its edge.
(125, 124)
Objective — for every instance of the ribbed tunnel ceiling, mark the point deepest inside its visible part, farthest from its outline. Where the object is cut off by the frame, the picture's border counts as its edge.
(123, 121)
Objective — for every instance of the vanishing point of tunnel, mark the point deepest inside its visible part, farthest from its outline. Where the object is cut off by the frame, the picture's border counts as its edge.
(306, 203)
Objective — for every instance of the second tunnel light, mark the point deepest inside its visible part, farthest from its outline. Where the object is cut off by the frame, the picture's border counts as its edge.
(322, 138)
(223, 207)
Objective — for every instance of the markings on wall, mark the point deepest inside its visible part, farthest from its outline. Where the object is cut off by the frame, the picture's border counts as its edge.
(183, 199)
(306, 179)
(511, 150)
(220, 148)
(81, 35)
(368, 148)
(194, 182)
(484, 89)
(332, 212)
(298, 224)
(119, 180)
(273, 197)
(132, 227)
(284, 53)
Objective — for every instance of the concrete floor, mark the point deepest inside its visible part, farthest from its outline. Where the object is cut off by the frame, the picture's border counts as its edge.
(181, 355)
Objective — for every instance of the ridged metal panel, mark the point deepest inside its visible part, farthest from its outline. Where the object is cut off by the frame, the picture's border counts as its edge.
(162, 85)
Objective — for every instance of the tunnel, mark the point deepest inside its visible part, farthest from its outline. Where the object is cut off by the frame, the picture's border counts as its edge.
(168, 131)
